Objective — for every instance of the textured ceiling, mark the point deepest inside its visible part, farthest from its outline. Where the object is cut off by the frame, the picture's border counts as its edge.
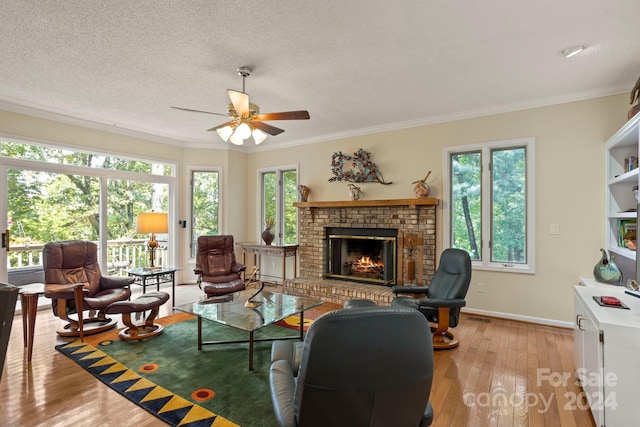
(356, 66)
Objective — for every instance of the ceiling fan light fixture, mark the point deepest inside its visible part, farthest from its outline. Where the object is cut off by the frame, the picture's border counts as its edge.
(258, 136)
(244, 116)
(225, 133)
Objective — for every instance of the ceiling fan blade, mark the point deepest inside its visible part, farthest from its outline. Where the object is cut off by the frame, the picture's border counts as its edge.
(199, 111)
(285, 115)
(222, 125)
(266, 128)
(240, 101)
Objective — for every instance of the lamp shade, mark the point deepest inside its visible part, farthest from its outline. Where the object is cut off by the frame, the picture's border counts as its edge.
(152, 222)
(259, 136)
(234, 139)
(225, 133)
(243, 131)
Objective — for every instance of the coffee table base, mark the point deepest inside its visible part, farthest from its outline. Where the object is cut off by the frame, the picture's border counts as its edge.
(251, 339)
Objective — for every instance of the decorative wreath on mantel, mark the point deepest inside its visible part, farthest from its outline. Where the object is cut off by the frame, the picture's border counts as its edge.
(364, 170)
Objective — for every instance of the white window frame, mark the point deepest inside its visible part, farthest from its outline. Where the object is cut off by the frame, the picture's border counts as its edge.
(485, 148)
(189, 191)
(278, 170)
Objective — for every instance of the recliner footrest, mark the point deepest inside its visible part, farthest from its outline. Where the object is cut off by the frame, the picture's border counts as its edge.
(149, 301)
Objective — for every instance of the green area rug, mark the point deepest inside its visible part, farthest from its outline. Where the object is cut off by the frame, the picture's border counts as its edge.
(169, 377)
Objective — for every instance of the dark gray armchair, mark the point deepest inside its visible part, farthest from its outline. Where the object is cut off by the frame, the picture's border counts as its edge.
(363, 366)
(8, 298)
(441, 301)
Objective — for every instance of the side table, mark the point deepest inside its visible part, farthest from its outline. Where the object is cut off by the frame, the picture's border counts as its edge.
(258, 249)
(29, 301)
(160, 274)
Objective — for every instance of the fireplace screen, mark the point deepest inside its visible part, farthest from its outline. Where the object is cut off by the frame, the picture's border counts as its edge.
(362, 254)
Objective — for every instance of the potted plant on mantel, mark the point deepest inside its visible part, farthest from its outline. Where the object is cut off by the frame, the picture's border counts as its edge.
(268, 234)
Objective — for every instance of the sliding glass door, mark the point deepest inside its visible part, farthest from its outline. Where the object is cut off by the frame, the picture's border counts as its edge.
(52, 194)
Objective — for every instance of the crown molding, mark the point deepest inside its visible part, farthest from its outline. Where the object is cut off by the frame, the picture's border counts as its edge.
(464, 115)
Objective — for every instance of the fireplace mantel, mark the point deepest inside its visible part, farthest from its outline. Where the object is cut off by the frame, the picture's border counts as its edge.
(368, 203)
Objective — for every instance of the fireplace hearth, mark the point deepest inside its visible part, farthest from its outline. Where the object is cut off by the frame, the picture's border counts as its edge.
(365, 255)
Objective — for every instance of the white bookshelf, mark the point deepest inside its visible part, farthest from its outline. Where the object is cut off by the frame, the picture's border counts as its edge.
(620, 199)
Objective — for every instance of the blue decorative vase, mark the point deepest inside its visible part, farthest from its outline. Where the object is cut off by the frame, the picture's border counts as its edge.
(606, 271)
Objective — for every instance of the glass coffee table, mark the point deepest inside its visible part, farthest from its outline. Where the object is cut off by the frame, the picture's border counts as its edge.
(231, 310)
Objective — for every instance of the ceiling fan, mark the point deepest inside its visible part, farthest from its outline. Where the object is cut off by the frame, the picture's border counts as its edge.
(246, 120)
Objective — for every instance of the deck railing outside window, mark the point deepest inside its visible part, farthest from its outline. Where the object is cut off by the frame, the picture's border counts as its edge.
(121, 255)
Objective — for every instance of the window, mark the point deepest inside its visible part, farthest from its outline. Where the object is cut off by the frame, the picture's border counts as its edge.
(56, 193)
(63, 156)
(279, 192)
(491, 210)
(205, 205)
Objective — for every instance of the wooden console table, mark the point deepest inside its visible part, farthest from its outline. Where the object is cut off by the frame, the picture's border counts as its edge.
(258, 249)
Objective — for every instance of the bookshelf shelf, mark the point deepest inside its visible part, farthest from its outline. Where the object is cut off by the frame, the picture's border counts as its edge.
(620, 197)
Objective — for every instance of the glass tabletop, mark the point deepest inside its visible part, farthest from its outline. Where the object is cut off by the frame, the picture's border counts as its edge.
(231, 311)
(152, 271)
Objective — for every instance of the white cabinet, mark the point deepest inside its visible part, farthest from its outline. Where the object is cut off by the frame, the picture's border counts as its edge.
(607, 353)
(620, 199)
(588, 347)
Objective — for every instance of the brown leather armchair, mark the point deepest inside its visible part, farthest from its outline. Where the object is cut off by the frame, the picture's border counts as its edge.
(76, 261)
(216, 266)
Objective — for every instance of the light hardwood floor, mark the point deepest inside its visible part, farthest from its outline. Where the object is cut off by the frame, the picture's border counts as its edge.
(504, 373)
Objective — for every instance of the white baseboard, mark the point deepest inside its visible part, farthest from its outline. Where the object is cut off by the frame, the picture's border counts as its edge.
(528, 319)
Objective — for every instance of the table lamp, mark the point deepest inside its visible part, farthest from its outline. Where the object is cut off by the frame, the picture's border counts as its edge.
(152, 223)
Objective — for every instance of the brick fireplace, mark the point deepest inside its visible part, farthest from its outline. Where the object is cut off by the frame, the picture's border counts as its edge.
(411, 217)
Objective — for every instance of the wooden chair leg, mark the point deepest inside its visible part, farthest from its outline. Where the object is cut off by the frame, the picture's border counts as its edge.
(443, 338)
(72, 327)
(84, 325)
(131, 330)
(138, 332)
(153, 313)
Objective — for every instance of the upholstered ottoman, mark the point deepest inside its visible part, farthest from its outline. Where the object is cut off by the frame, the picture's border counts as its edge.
(150, 301)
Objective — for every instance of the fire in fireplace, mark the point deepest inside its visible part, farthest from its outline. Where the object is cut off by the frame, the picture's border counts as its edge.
(361, 254)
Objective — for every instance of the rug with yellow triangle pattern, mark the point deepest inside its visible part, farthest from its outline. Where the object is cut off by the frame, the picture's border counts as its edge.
(167, 376)
(161, 402)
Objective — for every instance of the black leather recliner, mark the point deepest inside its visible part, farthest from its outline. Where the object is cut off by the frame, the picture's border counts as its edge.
(363, 366)
(8, 298)
(443, 298)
